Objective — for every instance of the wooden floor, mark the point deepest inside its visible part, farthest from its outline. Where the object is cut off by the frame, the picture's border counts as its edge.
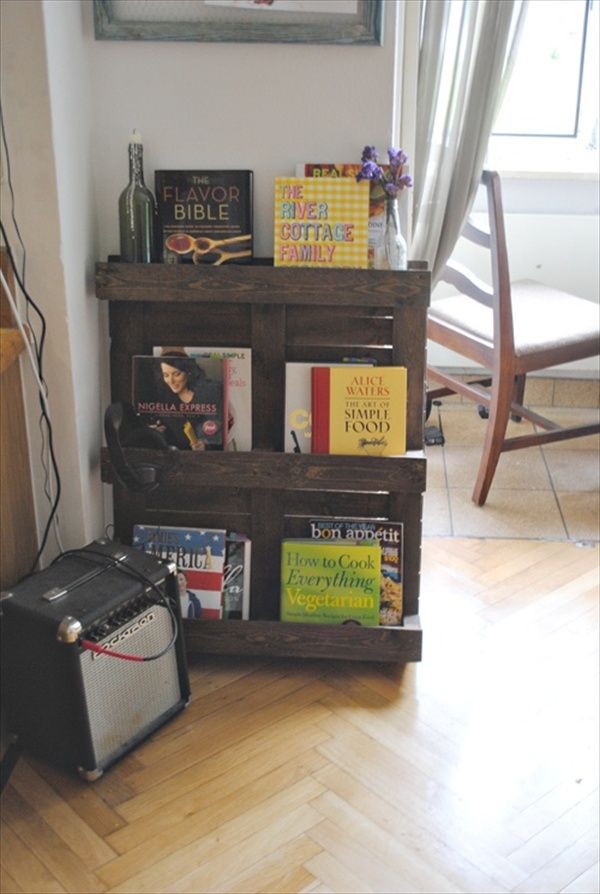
(475, 770)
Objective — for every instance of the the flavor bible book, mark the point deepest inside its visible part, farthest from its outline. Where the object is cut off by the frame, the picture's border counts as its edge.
(205, 217)
(183, 398)
(330, 583)
(377, 195)
(359, 411)
(199, 554)
(389, 536)
(321, 222)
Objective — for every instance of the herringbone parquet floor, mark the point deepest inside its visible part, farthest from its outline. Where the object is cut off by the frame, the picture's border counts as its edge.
(475, 770)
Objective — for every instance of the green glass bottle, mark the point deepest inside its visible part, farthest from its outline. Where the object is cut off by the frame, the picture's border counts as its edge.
(137, 210)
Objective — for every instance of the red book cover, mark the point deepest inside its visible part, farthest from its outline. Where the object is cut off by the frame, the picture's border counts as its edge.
(184, 398)
(320, 380)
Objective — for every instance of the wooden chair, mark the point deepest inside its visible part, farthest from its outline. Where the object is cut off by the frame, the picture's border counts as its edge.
(509, 330)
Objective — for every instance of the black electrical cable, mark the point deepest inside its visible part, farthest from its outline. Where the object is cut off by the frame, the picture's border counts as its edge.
(10, 187)
(28, 298)
(17, 229)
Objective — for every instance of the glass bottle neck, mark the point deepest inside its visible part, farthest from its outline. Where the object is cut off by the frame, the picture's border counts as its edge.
(391, 210)
(136, 163)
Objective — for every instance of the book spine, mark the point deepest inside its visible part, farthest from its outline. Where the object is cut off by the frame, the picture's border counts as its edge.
(320, 389)
(225, 363)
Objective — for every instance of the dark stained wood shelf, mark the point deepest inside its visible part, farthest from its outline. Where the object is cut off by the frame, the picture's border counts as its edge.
(284, 315)
(398, 644)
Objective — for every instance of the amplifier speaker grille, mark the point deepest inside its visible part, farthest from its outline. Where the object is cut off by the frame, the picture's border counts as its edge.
(123, 697)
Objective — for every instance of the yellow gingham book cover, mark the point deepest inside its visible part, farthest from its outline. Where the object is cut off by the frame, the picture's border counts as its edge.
(321, 222)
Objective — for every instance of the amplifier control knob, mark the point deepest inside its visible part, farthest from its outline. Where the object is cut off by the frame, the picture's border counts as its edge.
(69, 630)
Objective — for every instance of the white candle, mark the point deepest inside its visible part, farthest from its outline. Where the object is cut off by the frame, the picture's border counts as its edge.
(135, 137)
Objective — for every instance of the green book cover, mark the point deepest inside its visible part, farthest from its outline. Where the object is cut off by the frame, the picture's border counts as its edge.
(330, 583)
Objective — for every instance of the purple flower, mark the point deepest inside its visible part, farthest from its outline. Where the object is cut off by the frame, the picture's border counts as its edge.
(369, 171)
(397, 158)
(392, 180)
(369, 154)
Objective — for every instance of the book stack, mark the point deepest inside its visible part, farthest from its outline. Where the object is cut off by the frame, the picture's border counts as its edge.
(377, 195)
(351, 408)
(330, 583)
(213, 568)
(198, 398)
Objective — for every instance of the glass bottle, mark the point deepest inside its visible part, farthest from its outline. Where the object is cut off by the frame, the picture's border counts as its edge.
(137, 210)
(391, 252)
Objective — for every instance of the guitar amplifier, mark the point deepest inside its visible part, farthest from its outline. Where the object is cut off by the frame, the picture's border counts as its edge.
(93, 658)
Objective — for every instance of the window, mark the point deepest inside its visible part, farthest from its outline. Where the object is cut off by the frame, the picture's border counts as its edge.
(548, 121)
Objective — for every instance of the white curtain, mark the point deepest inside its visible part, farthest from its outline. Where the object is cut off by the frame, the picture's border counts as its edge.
(466, 55)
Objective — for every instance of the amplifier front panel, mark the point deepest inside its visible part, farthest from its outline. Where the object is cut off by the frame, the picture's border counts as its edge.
(125, 697)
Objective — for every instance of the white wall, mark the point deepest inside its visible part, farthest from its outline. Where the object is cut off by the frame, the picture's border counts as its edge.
(258, 106)
(71, 110)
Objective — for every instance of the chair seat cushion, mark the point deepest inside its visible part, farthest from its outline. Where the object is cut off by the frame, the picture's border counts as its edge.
(543, 318)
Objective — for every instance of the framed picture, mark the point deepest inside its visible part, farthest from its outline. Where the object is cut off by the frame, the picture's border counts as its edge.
(241, 21)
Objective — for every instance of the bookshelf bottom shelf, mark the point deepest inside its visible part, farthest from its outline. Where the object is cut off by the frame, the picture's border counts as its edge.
(278, 639)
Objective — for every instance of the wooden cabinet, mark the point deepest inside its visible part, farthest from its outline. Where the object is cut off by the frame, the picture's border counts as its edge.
(283, 315)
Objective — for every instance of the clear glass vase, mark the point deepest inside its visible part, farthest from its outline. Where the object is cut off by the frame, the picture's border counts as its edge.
(391, 251)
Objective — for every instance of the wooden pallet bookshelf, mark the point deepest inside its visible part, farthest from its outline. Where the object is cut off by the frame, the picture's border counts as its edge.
(283, 315)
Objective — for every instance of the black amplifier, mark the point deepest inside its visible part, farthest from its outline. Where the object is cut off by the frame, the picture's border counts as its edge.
(93, 657)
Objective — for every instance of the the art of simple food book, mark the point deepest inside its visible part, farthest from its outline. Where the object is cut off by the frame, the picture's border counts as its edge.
(183, 398)
(205, 216)
(359, 412)
(298, 416)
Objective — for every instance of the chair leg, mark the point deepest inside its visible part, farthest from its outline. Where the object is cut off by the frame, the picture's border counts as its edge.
(501, 399)
(519, 394)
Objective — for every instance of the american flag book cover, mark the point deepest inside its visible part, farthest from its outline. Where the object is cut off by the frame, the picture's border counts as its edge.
(199, 554)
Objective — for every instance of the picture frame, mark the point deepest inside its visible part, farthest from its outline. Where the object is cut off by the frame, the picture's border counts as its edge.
(244, 21)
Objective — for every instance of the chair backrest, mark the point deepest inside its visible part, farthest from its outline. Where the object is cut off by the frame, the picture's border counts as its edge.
(497, 294)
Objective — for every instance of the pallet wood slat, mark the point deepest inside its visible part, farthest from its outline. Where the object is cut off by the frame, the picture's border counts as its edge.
(259, 284)
(283, 315)
(275, 638)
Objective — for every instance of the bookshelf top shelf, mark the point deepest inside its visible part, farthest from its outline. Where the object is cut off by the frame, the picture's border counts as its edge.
(261, 283)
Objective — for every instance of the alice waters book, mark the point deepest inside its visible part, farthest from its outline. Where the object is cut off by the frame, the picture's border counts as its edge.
(359, 412)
